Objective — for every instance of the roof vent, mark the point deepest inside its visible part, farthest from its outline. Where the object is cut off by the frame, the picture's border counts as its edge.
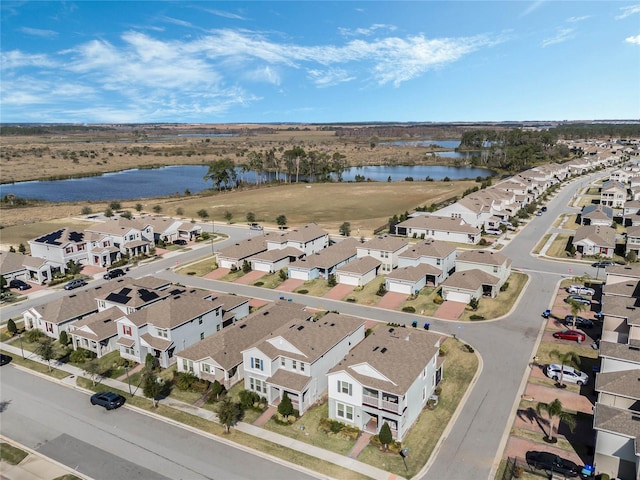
(391, 330)
(300, 327)
(376, 348)
(383, 350)
(244, 325)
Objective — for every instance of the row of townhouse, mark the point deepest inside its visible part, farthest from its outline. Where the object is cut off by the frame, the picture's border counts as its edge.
(282, 348)
(101, 244)
(617, 409)
(137, 317)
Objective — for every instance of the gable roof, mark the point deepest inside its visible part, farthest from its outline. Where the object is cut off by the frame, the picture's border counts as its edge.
(69, 307)
(61, 237)
(385, 243)
(98, 326)
(360, 265)
(483, 257)
(470, 279)
(173, 311)
(414, 273)
(624, 383)
(11, 262)
(618, 420)
(434, 222)
(387, 350)
(597, 211)
(600, 235)
(429, 248)
(330, 256)
(248, 247)
(306, 233)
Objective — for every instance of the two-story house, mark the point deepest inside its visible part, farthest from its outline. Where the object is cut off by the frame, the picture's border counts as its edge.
(168, 327)
(384, 248)
(107, 242)
(478, 273)
(596, 215)
(446, 229)
(219, 357)
(130, 295)
(613, 194)
(97, 332)
(324, 263)
(386, 378)
(441, 255)
(296, 358)
(60, 247)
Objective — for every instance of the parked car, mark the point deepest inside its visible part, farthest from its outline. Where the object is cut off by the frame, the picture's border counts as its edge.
(493, 231)
(538, 213)
(579, 322)
(108, 400)
(543, 209)
(569, 374)
(4, 359)
(77, 283)
(574, 335)
(603, 264)
(19, 284)
(581, 290)
(115, 273)
(579, 299)
(255, 226)
(551, 462)
(180, 241)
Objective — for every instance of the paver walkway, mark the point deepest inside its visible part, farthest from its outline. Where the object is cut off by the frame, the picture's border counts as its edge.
(361, 444)
(450, 310)
(136, 369)
(266, 415)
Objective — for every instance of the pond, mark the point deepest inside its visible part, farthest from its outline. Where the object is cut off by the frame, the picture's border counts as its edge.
(146, 183)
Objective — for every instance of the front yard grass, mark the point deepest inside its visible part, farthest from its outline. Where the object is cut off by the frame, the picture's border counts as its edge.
(367, 295)
(502, 304)
(37, 366)
(317, 288)
(460, 367)
(199, 268)
(558, 247)
(423, 303)
(272, 280)
(11, 454)
(233, 276)
(542, 243)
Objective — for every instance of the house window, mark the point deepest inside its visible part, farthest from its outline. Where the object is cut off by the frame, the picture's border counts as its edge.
(344, 411)
(162, 333)
(302, 366)
(129, 351)
(81, 247)
(344, 387)
(438, 261)
(205, 367)
(68, 250)
(201, 335)
(282, 361)
(187, 365)
(126, 330)
(294, 364)
(49, 327)
(200, 321)
(257, 385)
(495, 269)
(257, 363)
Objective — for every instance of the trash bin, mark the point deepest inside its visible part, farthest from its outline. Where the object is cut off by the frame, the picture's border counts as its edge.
(426, 325)
(414, 324)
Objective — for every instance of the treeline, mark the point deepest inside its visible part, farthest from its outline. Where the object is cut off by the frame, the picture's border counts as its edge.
(597, 130)
(398, 131)
(514, 150)
(48, 129)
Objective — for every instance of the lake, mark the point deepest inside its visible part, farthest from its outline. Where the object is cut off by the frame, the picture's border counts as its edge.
(146, 183)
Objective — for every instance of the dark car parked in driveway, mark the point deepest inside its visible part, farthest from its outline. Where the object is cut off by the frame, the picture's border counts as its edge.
(180, 241)
(551, 462)
(77, 283)
(108, 400)
(19, 284)
(580, 322)
(116, 272)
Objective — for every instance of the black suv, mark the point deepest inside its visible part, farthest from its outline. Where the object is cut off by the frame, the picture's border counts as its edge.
(19, 284)
(552, 463)
(116, 272)
(108, 400)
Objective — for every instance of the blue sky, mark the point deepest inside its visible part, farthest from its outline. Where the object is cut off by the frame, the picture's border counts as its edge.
(318, 61)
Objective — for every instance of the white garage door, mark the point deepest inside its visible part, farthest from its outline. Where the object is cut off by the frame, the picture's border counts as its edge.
(262, 267)
(299, 274)
(399, 287)
(227, 264)
(347, 279)
(458, 297)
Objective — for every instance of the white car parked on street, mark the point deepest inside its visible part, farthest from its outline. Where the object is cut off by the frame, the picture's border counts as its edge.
(569, 375)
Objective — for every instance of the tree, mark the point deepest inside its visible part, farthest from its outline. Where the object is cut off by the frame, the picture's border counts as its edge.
(3, 283)
(281, 220)
(115, 205)
(157, 208)
(46, 350)
(246, 266)
(138, 207)
(12, 249)
(108, 212)
(64, 338)
(251, 217)
(179, 211)
(203, 214)
(126, 214)
(73, 268)
(345, 229)
(221, 172)
(150, 386)
(11, 326)
(22, 249)
(385, 435)
(229, 413)
(217, 389)
(474, 303)
(382, 290)
(554, 411)
(228, 216)
(285, 407)
(93, 369)
(331, 281)
(570, 359)
(150, 362)
(86, 211)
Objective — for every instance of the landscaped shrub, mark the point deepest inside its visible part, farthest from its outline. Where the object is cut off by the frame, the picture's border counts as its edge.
(476, 317)
(483, 242)
(248, 398)
(184, 380)
(34, 335)
(468, 348)
(258, 284)
(438, 300)
(303, 291)
(504, 287)
(79, 356)
(333, 427)
(409, 309)
(285, 407)
(217, 390)
(442, 351)
(394, 446)
(351, 300)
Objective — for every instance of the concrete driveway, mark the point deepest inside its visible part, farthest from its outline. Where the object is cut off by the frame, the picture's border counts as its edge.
(251, 277)
(290, 284)
(392, 300)
(450, 310)
(339, 291)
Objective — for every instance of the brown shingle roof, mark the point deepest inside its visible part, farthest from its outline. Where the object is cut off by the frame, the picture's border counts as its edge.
(330, 256)
(625, 383)
(399, 354)
(69, 307)
(483, 257)
(620, 351)
(11, 262)
(617, 420)
(360, 265)
(433, 222)
(428, 248)
(156, 342)
(277, 254)
(600, 235)
(99, 326)
(289, 380)
(246, 248)
(470, 279)
(384, 243)
(306, 233)
(173, 311)
(414, 273)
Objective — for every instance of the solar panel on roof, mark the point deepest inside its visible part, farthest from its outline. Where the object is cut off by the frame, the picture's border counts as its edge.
(51, 238)
(118, 298)
(146, 295)
(76, 236)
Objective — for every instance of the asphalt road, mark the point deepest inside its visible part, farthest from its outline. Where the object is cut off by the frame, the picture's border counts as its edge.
(122, 444)
(506, 346)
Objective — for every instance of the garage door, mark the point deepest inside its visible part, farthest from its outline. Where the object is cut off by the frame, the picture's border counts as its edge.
(399, 287)
(347, 279)
(458, 297)
(299, 274)
(262, 267)
(227, 264)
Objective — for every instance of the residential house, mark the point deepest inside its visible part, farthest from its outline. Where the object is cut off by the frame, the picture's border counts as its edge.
(60, 247)
(469, 284)
(440, 228)
(167, 327)
(595, 240)
(219, 357)
(472, 211)
(384, 248)
(631, 212)
(170, 229)
(358, 272)
(130, 295)
(376, 384)
(233, 256)
(632, 243)
(234, 307)
(97, 332)
(276, 259)
(441, 255)
(613, 194)
(308, 239)
(596, 215)
(12, 266)
(621, 175)
(107, 242)
(494, 263)
(410, 280)
(324, 263)
(295, 358)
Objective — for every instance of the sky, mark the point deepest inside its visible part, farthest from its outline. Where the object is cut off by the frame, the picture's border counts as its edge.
(318, 61)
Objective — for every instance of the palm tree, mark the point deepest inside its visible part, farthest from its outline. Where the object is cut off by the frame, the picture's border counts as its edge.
(576, 308)
(571, 359)
(554, 411)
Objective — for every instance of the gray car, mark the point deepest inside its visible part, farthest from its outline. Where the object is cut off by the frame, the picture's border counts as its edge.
(73, 284)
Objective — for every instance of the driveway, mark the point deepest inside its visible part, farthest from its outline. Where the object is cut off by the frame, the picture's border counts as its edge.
(392, 300)
(251, 277)
(217, 274)
(289, 285)
(450, 310)
(339, 291)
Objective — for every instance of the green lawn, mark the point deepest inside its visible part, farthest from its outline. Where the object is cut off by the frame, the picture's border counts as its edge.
(558, 247)
(367, 295)
(317, 288)
(423, 303)
(11, 454)
(502, 304)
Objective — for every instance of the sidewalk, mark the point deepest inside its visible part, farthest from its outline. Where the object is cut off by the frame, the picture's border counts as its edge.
(311, 450)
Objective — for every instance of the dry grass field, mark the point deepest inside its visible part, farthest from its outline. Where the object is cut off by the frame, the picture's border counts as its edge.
(365, 206)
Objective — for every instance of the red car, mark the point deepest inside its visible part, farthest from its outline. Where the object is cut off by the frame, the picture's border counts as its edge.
(574, 335)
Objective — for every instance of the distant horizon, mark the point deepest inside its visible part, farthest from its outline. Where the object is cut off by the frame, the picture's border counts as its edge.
(318, 62)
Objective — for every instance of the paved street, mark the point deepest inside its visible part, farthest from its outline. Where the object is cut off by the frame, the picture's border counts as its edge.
(473, 446)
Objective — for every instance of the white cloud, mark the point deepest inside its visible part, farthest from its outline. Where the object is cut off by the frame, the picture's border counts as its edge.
(330, 77)
(634, 40)
(17, 59)
(265, 74)
(365, 32)
(628, 11)
(531, 8)
(36, 32)
(562, 35)
(578, 19)
(223, 14)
